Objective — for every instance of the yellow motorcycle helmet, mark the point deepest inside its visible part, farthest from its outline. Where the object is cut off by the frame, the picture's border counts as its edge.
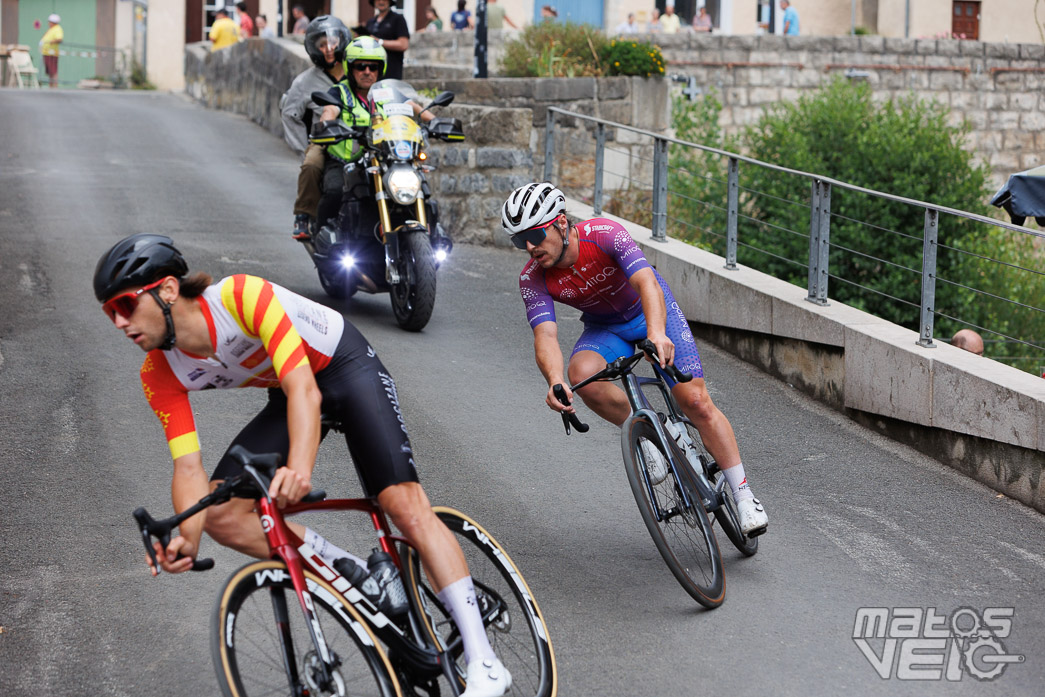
(365, 48)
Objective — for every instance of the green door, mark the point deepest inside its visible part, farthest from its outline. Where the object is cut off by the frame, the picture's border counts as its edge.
(77, 57)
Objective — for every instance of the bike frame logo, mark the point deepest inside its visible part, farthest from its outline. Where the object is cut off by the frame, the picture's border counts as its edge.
(913, 643)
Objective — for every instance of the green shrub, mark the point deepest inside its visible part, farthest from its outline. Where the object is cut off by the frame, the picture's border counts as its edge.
(554, 49)
(631, 58)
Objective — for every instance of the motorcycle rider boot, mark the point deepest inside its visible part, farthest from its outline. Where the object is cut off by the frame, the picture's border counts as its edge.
(753, 518)
(487, 677)
(301, 225)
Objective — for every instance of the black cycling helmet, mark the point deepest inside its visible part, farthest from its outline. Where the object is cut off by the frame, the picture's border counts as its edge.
(333, 30)
(137, 260)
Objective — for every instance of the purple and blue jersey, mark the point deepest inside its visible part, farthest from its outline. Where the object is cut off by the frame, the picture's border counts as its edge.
(598, 285)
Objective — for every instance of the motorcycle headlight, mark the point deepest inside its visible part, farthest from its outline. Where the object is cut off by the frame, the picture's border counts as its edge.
(403, 185)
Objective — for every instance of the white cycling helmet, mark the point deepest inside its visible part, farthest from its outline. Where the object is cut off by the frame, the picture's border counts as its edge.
(530, 206)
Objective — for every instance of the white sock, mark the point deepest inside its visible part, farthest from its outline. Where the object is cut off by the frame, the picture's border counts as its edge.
(459, 599)
(328, 551)
(738, 482)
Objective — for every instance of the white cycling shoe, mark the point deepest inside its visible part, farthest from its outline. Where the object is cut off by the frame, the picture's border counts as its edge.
(656, 464)
(487, 677)
(753, 518)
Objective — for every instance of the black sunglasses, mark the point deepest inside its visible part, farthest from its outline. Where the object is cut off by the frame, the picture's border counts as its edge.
(534, 235)
(363, 67)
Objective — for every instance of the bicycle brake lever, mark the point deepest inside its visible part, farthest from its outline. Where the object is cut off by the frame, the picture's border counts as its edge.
(162, 531)
(676, 374)
(567, 418)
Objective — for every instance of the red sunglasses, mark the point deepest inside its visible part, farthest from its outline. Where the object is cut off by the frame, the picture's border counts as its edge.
(125, 304)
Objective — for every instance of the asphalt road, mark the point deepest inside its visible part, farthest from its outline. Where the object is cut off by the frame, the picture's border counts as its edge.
(856, 520)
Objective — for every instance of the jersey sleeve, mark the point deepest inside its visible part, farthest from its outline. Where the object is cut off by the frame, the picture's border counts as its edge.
(170, 402)
(252, 302)
(539, 304)
(619, 244)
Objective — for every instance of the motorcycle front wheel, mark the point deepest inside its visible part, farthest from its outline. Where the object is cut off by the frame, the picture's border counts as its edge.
(413, 298)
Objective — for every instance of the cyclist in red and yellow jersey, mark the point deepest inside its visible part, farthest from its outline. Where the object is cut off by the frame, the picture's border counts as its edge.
(244, 331)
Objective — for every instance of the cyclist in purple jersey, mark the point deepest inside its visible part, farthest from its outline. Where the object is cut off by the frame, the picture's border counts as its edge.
(596, 267)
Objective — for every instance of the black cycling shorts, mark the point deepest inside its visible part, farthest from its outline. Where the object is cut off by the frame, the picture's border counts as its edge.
(359, 393)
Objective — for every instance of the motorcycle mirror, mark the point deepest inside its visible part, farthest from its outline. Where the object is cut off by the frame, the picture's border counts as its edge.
(325, 99)
(442, 99)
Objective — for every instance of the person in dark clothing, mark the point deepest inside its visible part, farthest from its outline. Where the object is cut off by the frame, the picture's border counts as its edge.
(390, 29)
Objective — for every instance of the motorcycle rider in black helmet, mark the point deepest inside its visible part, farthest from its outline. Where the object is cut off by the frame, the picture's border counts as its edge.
(325, 42)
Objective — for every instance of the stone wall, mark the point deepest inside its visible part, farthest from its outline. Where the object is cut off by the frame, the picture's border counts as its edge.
(503, 119)
(998, 88)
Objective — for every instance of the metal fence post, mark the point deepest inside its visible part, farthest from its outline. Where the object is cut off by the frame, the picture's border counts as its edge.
(732, 209)
(930, 238)
(660, 189)
(600, 156)
(819, 242)
(549, 144)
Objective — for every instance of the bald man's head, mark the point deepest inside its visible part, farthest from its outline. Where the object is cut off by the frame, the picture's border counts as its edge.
(969, 340)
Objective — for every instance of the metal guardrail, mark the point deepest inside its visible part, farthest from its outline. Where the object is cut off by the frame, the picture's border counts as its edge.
(820, 216)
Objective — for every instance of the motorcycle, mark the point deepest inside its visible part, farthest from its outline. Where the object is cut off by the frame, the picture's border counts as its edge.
(386, 237)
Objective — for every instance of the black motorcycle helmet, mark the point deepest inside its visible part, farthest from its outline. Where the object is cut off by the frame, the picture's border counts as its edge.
(331, 28)
(139, 260)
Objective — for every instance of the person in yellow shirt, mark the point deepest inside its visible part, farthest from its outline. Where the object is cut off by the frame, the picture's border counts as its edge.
(224, 31)
(49, 48)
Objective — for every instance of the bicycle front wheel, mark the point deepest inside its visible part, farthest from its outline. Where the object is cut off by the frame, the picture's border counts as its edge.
(681, 530)
(514, 624)
(261, 644)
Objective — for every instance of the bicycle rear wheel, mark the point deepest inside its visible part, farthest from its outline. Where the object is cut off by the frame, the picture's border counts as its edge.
(681, 531)
(514, 623)
(261, 645)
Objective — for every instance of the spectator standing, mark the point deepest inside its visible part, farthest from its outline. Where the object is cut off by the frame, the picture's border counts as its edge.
(300, 20)
(628, 26)
(968, 340)
(462, 19)
(264, 30)
(669, 21)
(549, 13)
(434, 23)
(654, 22)
(790, 18)
(223, 32)
(496, 18)
(49, 48)
(702, 22)
(392, 34)
(246, 24)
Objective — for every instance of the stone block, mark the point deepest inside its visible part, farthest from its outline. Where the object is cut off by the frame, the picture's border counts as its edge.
(976, 49)
(1005, 51)
(506, 183)
(1032, 52)
(563, 89)
(847, 45)
(966, 99)
(995, 101)
(945, 81)
(949, 47)
(899, 46)
(1009, 81)
(503, 158)
(1023, 101)
(887, 373)
(977, 118)
(650, 103)
(872, 44)
(925, 47)
(1004, 120)
(1029, 160)
(739, 43)
(981, 397)
(1032, 121)
(613, 88)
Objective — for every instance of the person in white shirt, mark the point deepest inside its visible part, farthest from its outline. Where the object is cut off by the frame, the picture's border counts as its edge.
(628, 26)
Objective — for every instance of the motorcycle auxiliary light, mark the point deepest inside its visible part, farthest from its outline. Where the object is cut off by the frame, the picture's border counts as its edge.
(404, 185)
(347, 262)
(440, 255)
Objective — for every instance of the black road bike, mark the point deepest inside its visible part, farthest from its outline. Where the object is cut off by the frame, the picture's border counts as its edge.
(674, 505)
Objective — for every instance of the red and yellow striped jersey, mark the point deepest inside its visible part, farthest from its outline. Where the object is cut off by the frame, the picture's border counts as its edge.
(260, 332)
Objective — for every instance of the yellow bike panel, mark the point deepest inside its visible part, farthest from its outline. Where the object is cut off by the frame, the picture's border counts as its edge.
(397, 127)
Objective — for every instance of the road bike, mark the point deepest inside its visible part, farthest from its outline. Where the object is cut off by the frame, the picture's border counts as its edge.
(674, 505)
(341, 643)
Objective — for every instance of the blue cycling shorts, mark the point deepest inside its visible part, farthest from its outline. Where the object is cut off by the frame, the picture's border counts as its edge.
(612, 341)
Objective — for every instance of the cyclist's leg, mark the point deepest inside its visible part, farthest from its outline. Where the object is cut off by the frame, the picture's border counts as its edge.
(234, 523)
(365, 396)
(597, 346)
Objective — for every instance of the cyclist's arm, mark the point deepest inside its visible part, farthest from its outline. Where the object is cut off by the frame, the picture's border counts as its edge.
(550, 362)
(645, 283)
(303, 401)
(188, 485)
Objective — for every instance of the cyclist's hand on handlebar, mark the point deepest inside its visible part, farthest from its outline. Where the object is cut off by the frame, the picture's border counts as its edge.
(555, 405)
(289, 486)
(665, 348)
(178, 556)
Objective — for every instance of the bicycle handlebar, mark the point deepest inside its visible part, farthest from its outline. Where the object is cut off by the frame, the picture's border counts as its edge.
(617, 369)
(259, 469)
